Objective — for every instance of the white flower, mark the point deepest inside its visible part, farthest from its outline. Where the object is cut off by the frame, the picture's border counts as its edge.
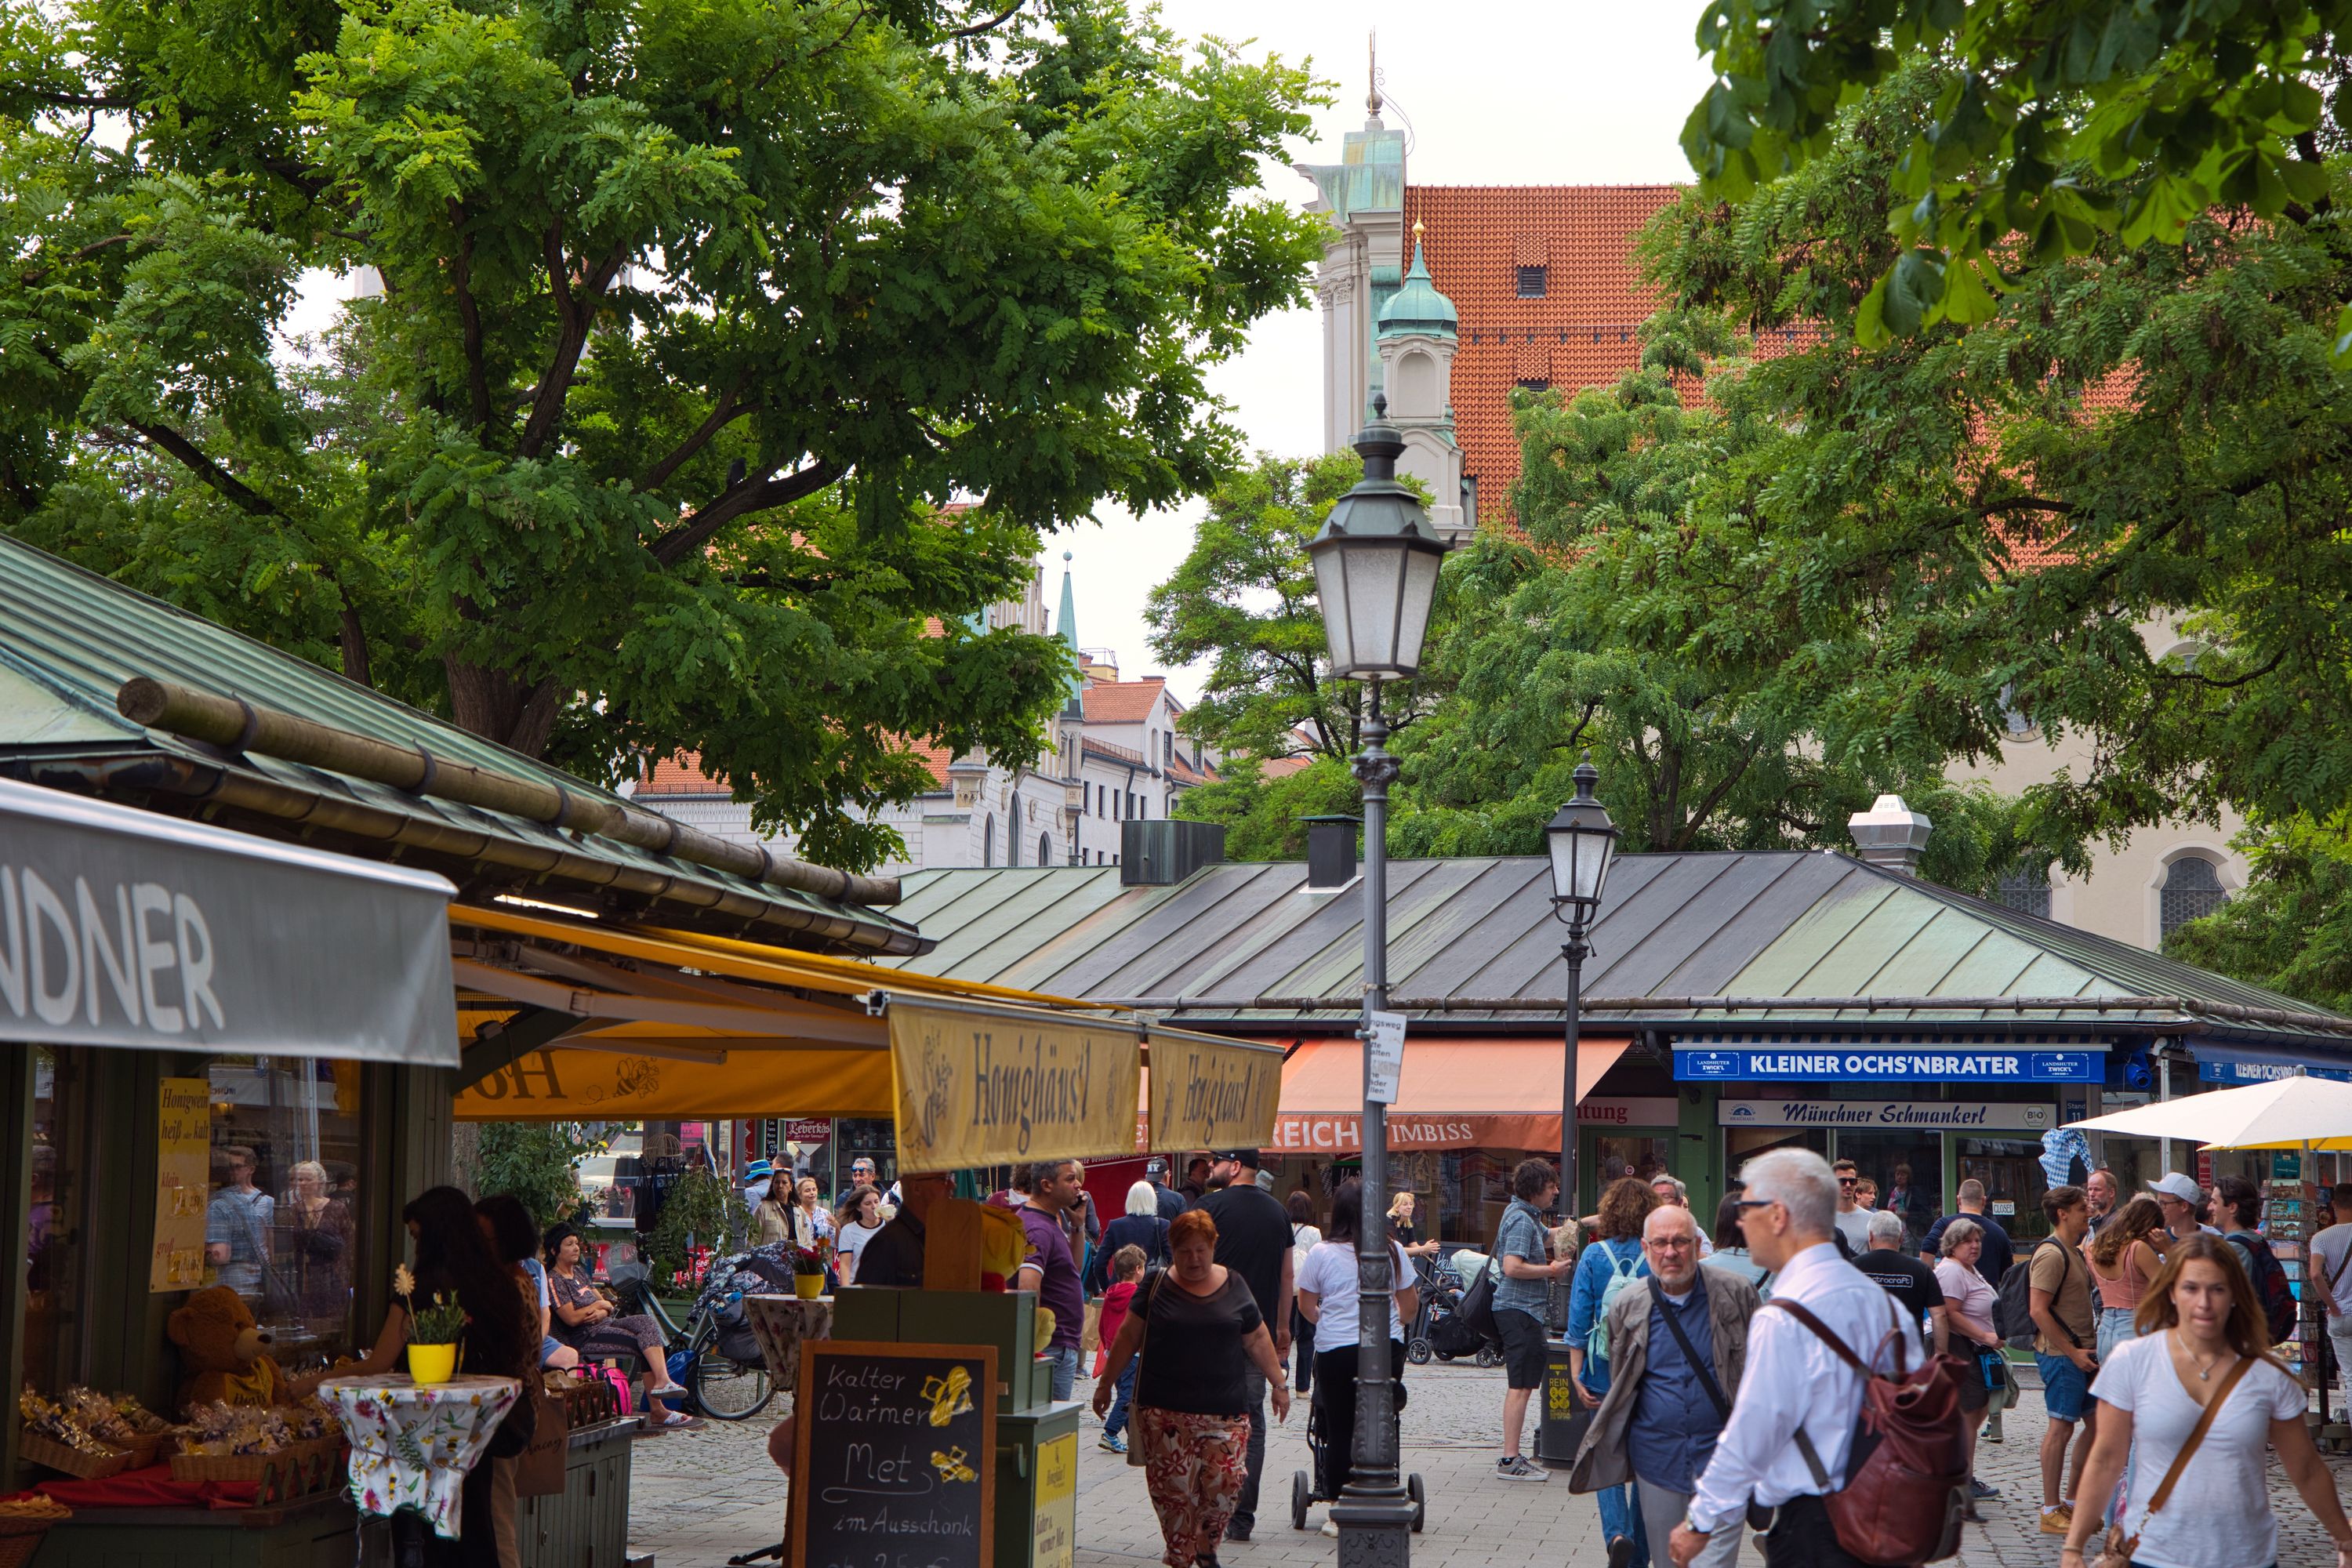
(403, 1282)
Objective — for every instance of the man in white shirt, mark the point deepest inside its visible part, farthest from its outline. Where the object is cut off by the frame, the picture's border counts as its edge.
(2331, 1265)
(1793, 1383)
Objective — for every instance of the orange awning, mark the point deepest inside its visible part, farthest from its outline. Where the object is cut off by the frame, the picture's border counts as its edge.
(1456, 1093)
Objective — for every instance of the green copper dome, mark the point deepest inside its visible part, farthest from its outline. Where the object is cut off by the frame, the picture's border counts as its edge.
(1417, 307)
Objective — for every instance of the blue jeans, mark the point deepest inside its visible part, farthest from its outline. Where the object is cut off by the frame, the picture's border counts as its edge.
(1619, 1514)
(1066, 1370)
(1115, 1422)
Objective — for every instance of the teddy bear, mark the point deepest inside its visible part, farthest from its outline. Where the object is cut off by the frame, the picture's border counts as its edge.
(223, 1353)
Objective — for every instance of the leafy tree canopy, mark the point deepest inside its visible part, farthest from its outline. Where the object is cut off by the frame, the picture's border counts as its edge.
(693, 315)
(2055, 131)
(2291, 927)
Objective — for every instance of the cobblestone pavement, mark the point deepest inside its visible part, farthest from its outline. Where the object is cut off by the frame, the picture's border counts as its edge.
(700, 1497)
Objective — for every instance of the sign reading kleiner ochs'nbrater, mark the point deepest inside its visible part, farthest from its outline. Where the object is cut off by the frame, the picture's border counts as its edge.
(985, 1086)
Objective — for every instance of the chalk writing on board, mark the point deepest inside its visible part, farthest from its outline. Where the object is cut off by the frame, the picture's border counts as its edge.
(896, 1456)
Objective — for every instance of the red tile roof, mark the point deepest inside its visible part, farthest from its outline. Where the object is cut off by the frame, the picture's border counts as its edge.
(1123, 701)
(682, 774)
(1581, 333)
(1182, 770)
(1110, 753)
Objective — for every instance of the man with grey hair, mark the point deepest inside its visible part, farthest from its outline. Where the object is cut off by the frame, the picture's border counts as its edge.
(1792, 1424)
(1677, 1350)
(1908, 1280)
(1676, 1191)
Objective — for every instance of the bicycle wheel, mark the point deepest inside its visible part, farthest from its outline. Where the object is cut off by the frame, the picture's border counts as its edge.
(725, 1389)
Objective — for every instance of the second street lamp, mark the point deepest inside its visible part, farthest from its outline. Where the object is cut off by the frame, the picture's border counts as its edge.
(1376, 564)
(1582, 841)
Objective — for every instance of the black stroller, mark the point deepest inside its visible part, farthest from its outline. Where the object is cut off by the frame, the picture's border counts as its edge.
(1438, 1329)
(1310, 1487)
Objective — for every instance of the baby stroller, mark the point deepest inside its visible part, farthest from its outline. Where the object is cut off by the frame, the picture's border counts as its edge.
(1308, 1488)
(1438, 1328)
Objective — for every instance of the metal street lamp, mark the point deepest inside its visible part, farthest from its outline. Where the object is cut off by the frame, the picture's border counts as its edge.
(1376, 564)
(1582, 840)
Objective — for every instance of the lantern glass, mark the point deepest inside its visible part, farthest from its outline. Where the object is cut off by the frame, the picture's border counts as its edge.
(1376, 593)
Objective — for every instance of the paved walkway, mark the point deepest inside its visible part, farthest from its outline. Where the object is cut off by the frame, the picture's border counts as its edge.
(700, 1497)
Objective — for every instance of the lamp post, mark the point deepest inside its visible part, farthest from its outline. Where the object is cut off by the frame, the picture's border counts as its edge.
(1582, 839)
(1376, 564)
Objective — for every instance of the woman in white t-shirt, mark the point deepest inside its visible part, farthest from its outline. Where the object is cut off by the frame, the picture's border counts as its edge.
(2199, 1321)
(1327, 1297)
(854, 1227)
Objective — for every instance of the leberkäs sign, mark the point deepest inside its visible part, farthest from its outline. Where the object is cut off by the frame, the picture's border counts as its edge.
(119, 927)
(1213, 1093)
(984, 1085)
(1933, 1064)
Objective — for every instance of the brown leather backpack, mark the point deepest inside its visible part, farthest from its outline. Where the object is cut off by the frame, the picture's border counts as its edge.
(1906, 1482)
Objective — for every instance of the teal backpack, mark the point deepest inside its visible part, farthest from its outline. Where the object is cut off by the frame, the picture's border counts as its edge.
(1626, 1271)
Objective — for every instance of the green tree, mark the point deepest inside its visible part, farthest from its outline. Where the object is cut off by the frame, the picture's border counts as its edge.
(2291, 928)
(2054, 130)
(538, 1163)
(1265, 812)
(694, 314)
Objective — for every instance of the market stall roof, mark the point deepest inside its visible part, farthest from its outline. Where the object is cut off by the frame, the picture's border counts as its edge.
(122, 928)
(1455, 1092)
(74, 646)
(1728, 940)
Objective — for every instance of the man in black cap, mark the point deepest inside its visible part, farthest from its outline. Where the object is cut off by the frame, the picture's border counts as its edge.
(1171, 1202)
(1254, 1240)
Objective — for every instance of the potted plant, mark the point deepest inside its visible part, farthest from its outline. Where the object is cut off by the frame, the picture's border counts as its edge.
(808, 1268)
(432, 1331)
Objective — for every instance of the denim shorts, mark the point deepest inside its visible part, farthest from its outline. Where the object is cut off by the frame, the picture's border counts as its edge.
(2065, 1388)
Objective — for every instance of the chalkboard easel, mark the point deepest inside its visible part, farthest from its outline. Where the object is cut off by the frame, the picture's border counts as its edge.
(894, 1458)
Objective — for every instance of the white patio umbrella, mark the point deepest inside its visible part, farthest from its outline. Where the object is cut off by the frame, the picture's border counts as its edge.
(2284, 1113)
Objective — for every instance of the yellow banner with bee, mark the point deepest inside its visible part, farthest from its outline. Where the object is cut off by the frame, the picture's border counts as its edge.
(991, 1086)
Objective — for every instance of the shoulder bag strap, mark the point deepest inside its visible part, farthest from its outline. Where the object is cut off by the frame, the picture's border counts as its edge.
(2204, 1422)
(2336, 1278)
(1698, 1362)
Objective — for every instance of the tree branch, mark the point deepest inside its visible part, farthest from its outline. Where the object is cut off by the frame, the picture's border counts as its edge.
(723, 413)
(352, 636)
(79, 99)
(578, 315)
(977, 28)
(739, 500)
(469, 318)
(230, 487)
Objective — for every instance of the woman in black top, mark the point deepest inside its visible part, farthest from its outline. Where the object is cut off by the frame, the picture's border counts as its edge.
(1199, 1328)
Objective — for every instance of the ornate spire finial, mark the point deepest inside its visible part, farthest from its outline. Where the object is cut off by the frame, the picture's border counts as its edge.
(1372, 57)
(1417, 227)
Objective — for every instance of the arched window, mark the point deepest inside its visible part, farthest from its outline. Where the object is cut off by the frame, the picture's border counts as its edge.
(988, 843)
(1013, 838)
(2192, 889)
(1044, 850)
(2026, 890)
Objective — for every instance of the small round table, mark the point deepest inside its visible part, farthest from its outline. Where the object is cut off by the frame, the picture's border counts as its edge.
(780, 1324)
(412, 1444)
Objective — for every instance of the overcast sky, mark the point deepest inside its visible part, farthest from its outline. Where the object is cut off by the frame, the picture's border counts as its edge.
(1497, 92)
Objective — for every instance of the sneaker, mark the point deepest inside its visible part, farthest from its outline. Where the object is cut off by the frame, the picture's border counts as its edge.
(2057, 1521)
(1112, 1443)
(1516, 1468)
(1991, 1434)
(1969, 1515)
(1978, 1491)
(1621, 1551)
(1331, 1529)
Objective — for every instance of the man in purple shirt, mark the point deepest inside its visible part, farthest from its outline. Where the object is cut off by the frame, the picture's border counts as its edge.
(1055, 1189)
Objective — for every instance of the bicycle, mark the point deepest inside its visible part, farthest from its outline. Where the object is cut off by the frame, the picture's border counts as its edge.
(722, 1386)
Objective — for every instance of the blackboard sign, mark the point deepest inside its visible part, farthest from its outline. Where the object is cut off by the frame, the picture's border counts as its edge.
(894, 1459)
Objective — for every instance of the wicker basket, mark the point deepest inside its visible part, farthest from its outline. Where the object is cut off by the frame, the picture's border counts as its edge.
(148, 1447)
(221, 1467)
(53, 1455)
(20, 1538)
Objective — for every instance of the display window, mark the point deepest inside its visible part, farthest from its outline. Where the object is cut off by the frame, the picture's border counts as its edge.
(2011, 1170)
(57, 1245)
(1908, 1170)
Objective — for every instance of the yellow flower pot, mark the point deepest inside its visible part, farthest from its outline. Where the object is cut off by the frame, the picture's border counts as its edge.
(808, 1286)
(432, 1363)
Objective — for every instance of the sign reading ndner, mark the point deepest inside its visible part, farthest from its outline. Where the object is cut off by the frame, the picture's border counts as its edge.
(119, 927)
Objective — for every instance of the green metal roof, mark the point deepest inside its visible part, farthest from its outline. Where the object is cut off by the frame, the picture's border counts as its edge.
(1417, 307)
(1790, 936)
(69, 638)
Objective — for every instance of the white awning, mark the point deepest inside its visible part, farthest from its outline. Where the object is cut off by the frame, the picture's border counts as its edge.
(119, 927)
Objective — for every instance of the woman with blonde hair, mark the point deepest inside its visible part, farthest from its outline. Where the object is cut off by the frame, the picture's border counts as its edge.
(318, 1228)
(2194, 1403)
(1401, 1228)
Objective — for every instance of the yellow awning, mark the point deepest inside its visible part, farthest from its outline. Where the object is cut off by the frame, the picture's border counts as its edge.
(577, 1085)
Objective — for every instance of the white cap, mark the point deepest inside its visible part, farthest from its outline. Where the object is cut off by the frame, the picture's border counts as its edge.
(2173, 1184)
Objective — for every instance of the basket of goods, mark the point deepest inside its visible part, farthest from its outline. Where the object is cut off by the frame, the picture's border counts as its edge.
(230, 1443)
(23, 1520)
(119, 1421)
(311, 1429)
(54, 1437)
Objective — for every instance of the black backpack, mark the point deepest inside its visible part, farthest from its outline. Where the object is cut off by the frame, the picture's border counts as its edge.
(2012, 1308)
(2270, 1282)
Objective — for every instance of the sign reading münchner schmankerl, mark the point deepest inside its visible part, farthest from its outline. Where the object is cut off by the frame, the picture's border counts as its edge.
(121, 927)
(986, 1086)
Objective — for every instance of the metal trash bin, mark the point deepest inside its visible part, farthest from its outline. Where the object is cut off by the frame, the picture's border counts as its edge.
(1561, 1421)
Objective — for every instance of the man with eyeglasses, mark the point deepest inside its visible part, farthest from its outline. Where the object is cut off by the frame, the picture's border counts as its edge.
(1853, 1219)
(1676, 1351)
(1793, 1417)
(861, 1176)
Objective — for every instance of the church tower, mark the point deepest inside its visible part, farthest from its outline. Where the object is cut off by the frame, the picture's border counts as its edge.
(1363, 266)
(1416, 340)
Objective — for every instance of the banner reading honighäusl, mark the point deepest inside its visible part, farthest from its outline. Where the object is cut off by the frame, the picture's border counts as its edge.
(988, 1086)
(1209, 1092)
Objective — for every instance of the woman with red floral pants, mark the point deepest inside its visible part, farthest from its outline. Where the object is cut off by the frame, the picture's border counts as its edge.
(1199, 1330)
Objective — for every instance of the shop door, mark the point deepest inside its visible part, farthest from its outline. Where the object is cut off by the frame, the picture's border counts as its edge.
(2011, 1170)
(1604, 1157)
(1909, 1169)
(1741, 1144)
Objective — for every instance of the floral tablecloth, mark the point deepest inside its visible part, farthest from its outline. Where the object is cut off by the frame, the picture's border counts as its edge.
(412, 1444)
(780, 1324)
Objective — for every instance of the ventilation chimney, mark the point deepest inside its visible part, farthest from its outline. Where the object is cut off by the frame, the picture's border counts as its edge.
(1330, 851)
(1891, 834)
(1160, 851)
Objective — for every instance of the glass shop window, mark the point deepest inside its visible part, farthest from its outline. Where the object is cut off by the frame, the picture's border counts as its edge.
(281, 1224)
(57, 1245)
